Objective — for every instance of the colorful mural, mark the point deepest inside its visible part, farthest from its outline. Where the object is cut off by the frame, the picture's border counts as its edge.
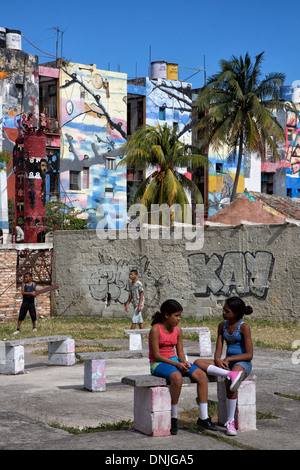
(220, 181)
(93, 120)
(170, 101)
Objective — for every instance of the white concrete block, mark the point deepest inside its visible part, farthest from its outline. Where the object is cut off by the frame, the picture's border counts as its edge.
(205, 343)
(135, 342)
(61, 359)
(153, 398)
(156, 424)
(62, 347)
(95, 375)
(245, 415)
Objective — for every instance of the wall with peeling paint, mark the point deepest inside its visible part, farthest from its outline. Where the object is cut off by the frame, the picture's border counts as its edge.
(20, 94)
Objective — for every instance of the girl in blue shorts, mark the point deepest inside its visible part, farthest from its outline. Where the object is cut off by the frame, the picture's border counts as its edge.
(237, 364)
(165, 336)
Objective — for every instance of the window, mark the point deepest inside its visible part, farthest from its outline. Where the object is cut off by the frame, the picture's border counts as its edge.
(140, 113)
(109, 192)
(19, 87)
(109, 163)
(85, 178)
(219, 167)
(162, 114)
(74, 180)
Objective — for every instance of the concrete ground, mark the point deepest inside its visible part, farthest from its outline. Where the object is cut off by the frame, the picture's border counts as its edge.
(31, 403)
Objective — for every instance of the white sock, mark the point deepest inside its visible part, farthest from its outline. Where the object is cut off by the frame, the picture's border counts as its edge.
(217, 371)
(230, 406)
(203, 407)
(174, 411)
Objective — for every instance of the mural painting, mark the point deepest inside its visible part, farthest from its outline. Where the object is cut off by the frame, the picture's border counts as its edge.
(170, 101)
(220, 181)
(93, 123)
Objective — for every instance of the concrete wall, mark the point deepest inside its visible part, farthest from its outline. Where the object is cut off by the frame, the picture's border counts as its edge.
(258, 262)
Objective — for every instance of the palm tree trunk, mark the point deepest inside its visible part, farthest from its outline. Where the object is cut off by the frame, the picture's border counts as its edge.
(238, 168)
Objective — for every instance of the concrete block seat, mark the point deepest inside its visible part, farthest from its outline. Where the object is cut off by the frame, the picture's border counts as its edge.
(61, 352)
(152, 403)
(95, 366)
(136, 339)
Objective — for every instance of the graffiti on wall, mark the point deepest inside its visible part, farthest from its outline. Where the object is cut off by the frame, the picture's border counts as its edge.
(110, 282)
(235, 272)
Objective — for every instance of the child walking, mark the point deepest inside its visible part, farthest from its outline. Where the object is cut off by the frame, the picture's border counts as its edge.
(164, 336)
(237, 365)
(28, 292)
(137, 297)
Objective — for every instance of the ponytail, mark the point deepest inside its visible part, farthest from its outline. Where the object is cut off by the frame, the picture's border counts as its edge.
(238, 307)
(157, 318)
(168, 307)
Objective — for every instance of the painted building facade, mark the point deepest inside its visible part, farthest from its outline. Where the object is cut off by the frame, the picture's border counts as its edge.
(19, 95)
(93, 125)
(163, 99)
(292, 143)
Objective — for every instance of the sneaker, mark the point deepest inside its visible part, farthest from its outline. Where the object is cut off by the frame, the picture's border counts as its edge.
(174, 426)
(236, 378)
(231, 431)
(34, 329)
(206, 424)
(16, 332)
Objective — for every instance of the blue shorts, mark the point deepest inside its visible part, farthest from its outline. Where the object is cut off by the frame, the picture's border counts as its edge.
(246, 365)
(161, 369)
(137, 316)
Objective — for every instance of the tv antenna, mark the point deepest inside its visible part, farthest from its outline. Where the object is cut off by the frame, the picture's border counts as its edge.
(59, 37)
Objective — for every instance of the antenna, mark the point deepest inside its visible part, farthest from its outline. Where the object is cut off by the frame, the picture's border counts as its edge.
(57, 41)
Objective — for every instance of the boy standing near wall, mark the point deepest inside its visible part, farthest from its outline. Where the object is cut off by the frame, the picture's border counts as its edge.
(29, 293)
(137, 297)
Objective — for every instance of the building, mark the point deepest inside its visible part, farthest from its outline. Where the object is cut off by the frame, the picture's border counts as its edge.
(19, 94)
(161, 98)
(93, 125)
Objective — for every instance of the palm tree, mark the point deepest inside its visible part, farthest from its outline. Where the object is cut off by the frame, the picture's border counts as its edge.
(158, 149)
(237, 109)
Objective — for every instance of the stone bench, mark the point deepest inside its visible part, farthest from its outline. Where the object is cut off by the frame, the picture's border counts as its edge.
(61, 352)
(95, 366)
(152, 403)
(136, 339)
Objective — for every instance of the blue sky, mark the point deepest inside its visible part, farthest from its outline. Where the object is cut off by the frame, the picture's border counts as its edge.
(118, 34)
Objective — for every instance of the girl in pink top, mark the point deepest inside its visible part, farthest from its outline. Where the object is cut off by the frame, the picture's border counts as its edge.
(165, 336)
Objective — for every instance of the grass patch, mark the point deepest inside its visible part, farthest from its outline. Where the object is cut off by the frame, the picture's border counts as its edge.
(291, 397)
(263, 415)
(120, 426)
(265, 334)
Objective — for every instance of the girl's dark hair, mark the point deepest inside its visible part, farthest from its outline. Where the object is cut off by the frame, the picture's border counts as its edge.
(238, 307)
(169, 306)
